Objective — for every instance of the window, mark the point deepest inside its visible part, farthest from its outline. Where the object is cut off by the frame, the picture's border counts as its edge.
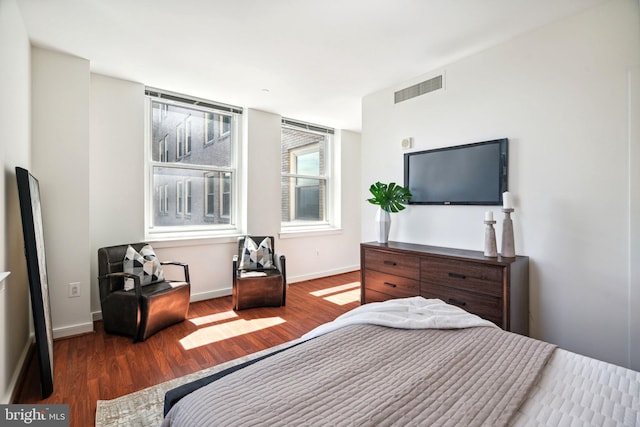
(189, 168)
(163, 201)
(218, 194)
(225, 195)
(187, 197)
(187, 142)
(179, 197)
(305, 174)
(179, 141)
(210, 195)
(216, 127)
(163, 149)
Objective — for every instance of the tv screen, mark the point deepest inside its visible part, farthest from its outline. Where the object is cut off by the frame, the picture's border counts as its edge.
(470, 174)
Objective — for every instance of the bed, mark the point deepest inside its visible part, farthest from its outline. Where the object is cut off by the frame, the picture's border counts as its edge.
(412, 361)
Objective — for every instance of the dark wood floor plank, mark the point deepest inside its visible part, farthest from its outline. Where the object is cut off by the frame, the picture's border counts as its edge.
(100, 366)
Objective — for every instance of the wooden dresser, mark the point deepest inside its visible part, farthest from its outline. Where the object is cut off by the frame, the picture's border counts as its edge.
(496, 289)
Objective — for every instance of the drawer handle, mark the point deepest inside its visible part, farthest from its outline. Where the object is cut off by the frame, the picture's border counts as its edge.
(393, 285)
(457, 275)
(456, 302)
(389, 263)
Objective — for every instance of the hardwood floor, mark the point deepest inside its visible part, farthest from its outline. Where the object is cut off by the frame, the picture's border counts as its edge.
(99, 366)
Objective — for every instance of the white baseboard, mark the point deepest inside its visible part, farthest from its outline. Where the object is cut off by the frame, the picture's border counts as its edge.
(67, 331)
(217, 293)
(321, 274)
(12, 387)
(227, 291)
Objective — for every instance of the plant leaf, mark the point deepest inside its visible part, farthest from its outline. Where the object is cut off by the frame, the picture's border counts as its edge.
(390, 197)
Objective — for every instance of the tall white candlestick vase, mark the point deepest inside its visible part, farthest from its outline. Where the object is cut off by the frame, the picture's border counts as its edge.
(490, 247)
(383, 225)
(508, 249)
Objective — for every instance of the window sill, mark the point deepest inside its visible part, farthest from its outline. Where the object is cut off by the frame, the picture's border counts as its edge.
(292, 233)
(182, 241)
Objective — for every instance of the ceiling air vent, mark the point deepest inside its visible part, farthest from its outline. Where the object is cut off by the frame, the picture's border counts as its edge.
(419, 89)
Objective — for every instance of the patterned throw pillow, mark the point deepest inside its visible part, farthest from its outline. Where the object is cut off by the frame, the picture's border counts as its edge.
(144, 264)
(257, 256)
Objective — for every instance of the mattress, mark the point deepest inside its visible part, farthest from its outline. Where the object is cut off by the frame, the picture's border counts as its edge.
(576, 390)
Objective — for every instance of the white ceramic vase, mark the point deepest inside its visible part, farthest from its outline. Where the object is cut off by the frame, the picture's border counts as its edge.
(383, 225)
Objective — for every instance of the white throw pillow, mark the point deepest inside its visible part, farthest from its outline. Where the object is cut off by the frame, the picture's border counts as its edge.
(257, 256)
(144, 264)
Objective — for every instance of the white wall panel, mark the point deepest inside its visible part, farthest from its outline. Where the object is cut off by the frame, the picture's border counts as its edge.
(60, 161)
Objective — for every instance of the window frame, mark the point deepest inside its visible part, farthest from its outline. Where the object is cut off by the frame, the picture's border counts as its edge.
(326, 150)
(159, 200)
(294, 155)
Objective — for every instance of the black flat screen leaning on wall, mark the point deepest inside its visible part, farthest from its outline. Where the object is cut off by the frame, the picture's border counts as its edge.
(29, 196)
(471, 174)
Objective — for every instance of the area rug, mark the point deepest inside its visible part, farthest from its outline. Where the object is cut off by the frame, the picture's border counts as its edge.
(145, 407)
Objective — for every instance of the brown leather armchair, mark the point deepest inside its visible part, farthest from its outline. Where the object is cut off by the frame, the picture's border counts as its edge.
(258, 285)
(143, 310)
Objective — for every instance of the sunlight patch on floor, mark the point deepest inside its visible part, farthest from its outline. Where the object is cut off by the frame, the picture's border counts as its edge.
(340, 295)
(212, 318)
(333, 290)
(344, 297)
(223, 331)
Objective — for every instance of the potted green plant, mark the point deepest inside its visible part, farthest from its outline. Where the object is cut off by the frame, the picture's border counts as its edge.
(390, 198)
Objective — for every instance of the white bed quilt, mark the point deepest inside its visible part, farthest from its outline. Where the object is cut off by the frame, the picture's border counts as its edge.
(404, 313)
(576, 390)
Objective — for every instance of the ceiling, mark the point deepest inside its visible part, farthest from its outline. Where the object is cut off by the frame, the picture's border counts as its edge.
(309, 60)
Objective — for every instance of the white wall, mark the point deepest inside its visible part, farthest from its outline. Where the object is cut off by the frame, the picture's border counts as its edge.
(14, 151)
(116, 172)
(262, 135)
(560, 94)
(60, 162)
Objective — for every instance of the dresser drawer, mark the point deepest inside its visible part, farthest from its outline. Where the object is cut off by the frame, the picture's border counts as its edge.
(470, 276)
(373, 296)
(392, 263)
(486, 306)
(394, 286)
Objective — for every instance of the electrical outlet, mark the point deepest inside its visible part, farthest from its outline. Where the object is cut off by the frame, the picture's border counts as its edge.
(74, 290)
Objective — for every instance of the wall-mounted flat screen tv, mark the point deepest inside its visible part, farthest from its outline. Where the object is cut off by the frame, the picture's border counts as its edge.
(470, 174)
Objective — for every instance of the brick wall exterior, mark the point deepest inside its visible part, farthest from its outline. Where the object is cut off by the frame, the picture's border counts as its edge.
(215, 152)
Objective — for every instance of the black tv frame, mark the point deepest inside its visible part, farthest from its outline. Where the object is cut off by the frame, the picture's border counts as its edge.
(503, 172)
